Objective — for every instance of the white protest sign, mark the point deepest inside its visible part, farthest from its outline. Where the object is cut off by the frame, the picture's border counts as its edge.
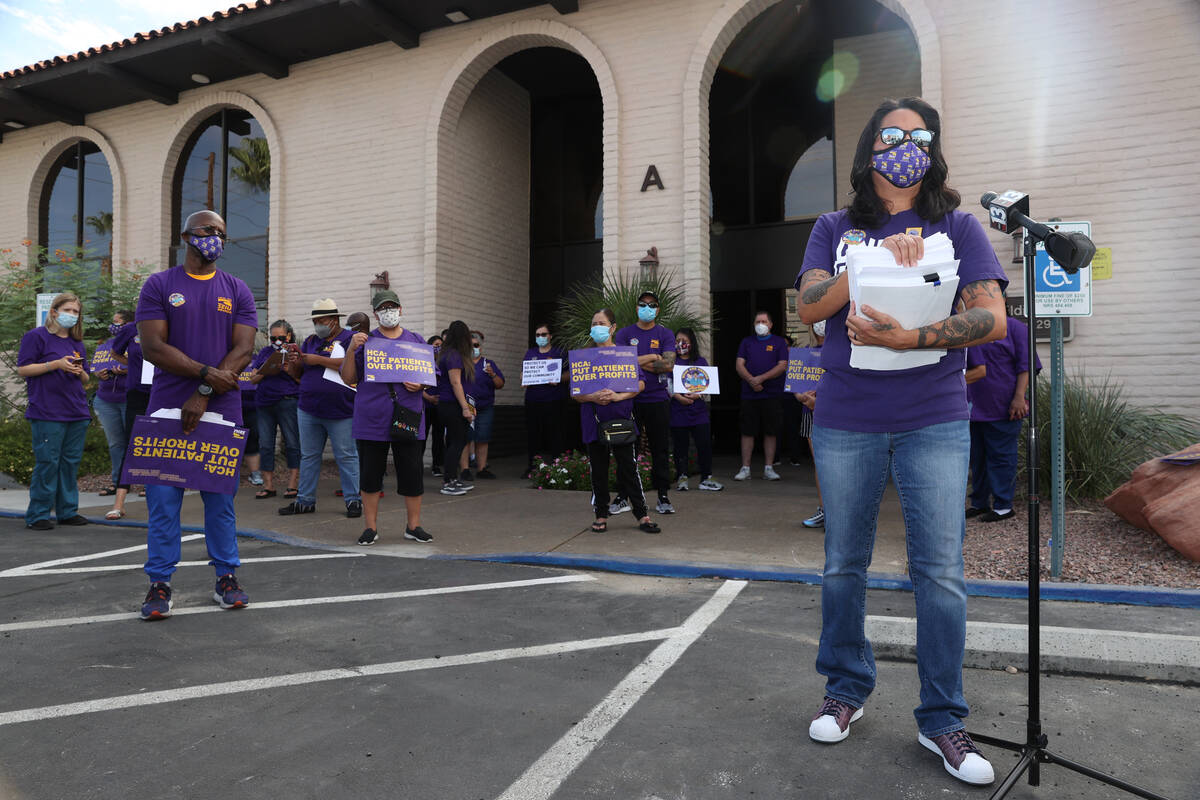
(539, 371)
(696, 379)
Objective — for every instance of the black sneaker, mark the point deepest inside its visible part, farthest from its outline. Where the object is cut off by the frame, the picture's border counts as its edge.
(466, 476)
(354, 509)
(41, 525)
(996, 516)
(976, 512)
(437, 471)
(78, 519)
(369, 537)
(486, 474)
(157, 604)
(453, 488)
(296, 507)
(417, 534)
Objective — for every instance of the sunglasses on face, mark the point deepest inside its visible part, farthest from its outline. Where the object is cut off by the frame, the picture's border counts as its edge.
(208, 230)
(647, 305)
(894, 136)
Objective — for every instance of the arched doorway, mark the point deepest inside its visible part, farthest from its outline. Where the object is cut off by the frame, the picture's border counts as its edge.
(786, 106)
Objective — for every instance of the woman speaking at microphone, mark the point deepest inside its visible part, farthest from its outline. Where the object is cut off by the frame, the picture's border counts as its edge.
(911, 424)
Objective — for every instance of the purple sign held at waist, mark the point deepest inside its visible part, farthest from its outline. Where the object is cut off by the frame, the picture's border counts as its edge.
(207, 459)
(803, 370)
(103, 358)
(398, 361)
(597, 368)
(245, 382)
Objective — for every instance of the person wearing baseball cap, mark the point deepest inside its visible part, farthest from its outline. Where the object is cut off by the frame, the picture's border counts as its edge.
(326, 411)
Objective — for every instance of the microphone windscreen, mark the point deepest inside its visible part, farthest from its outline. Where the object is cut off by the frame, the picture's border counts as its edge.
(986, 200)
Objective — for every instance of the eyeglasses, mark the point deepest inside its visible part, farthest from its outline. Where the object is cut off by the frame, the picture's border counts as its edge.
(894, 136)
(208, 230)
(647, 305)
(541, 333)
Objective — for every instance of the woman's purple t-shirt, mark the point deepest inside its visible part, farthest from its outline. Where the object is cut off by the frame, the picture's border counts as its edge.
(373, 403)
(683, 416)
(113, 389)
(319, 397)
(876, 401)
(127, 343)
(448, 360)
(56, 396)
(272, 388)
(545, 392)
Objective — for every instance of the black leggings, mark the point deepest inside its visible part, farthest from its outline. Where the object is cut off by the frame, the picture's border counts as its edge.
(435, 431)
(136, 404)
(628, 484)
(451, 415)
(703, 436)
(544, 430)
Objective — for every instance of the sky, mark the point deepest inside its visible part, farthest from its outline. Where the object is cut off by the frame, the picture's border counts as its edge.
(35, 30)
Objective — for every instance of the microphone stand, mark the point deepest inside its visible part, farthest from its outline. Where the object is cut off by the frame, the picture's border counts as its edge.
(1033, 750)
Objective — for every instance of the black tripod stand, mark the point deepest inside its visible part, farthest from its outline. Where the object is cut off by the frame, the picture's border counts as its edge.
(1033, 750)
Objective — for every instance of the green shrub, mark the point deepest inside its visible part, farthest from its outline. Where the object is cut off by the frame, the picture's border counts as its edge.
(573, 472)
(574, 318)
(16, 445)
(1106, 437)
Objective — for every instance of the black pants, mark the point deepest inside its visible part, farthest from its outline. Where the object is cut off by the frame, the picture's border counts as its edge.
(703, 436)
(450, 415)
(655, 420)
(435, 431)
(136, 404)
(372, 465)
(544, 430)
(250, 421)
(628, 484)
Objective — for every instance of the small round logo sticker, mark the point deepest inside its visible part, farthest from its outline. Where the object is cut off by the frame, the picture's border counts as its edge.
(694, 379)
(176, 299)
(854, 236)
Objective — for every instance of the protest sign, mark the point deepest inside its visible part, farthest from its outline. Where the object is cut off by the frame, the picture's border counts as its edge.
(696, 379)
(206, 459)
(244, 380)
(332, 375)
(397, 361)
(538, 371)
(103, 358)
(803, 369)
(597, 368)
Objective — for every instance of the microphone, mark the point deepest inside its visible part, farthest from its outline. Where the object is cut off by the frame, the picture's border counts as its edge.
(1009, 211)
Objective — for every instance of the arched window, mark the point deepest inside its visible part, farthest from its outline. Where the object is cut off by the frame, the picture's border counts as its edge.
(75, 215)
(810, 186)
(226, 166)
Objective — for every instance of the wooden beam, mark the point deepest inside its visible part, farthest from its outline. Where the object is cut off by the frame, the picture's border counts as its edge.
(384, 21)
(246, 55)
(143, 87)
(565, 6)
(61, 113)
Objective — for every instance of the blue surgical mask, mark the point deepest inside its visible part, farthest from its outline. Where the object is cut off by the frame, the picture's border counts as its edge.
(67, 320)
(647, 314)
(475, 352)
(209, 247)
(599, 334)
(542, 341)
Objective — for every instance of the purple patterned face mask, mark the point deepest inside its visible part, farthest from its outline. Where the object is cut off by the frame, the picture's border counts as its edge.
(210, 247)
(903, 165)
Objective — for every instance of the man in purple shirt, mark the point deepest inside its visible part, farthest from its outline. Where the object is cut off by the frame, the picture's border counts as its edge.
(761, 364)
(652, 408)
(197, 325)
(997, 386)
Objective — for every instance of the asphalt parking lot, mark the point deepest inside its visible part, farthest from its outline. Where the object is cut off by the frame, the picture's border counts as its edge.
(360, 674)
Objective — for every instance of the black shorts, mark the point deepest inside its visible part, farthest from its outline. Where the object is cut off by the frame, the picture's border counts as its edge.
(763, 416)
(372, 461)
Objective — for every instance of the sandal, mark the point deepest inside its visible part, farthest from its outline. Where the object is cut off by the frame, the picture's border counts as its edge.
(649, 527)
(109, 492)
(114, 514)
(600, 526)
(142, 492)
(263, 494)
(291, 493)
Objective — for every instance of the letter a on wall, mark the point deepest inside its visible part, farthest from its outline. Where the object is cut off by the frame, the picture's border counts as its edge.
(652, 179)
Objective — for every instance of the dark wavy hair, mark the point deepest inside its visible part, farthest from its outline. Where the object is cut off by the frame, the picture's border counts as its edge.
(458, 340)
(694, 353)
(934, 199)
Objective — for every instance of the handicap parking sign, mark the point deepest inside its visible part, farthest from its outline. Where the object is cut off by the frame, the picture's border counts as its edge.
(1051, 277)
(1059, 293)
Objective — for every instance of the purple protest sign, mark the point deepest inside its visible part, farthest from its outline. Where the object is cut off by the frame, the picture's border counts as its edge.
(398, 361)
(596, 368)
(103, 358)
(207, 459)
(244, 380)
(803, 369)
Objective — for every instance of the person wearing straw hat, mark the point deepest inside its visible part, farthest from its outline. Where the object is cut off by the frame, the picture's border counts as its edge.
(326, 411)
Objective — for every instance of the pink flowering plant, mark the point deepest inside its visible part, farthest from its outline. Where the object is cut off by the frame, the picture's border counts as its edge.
(573, 472)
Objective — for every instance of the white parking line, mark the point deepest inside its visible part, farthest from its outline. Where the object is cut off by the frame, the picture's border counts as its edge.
(40, 624)
(31, 568)
(547, 774)
(17, 573)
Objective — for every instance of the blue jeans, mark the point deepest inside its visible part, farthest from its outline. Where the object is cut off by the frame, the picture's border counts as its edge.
(313, 431)
(283, 416)
(112, 419)
(994, 463)
(54, 485)
(164, 536)
(929, 468)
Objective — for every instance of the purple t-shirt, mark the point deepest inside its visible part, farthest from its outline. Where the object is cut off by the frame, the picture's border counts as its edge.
(761, 355)
(319, 397)
(373, 404)
(683, 416)
(200, 314)
(877, 401)
(57, 396)
(272, 388)
(485, 387)
(655, 340)
(129, 344)
(113, 389)
(545, 392)
(1005, 359)
(448, 360)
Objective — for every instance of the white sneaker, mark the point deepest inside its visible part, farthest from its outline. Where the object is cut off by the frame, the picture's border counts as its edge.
(769, 473)
(707, 484)
(618, 507)
(682, 486)
(743, 474)
(832, 722)
(960, 756)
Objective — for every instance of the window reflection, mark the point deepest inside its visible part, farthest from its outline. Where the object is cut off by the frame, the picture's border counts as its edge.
(810, 186)
(75, 215)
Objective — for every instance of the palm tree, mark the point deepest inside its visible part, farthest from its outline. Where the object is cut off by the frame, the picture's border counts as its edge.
(102, 224)
(253, 167)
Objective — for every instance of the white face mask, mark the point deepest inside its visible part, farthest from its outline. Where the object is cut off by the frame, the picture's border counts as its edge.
(389, 318)
(819, 328)
(761, 329)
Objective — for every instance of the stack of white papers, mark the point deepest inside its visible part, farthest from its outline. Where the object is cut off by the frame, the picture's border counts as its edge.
(915, 296)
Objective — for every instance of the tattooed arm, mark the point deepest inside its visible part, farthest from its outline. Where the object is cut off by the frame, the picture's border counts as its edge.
(981, 319)
(821, 295)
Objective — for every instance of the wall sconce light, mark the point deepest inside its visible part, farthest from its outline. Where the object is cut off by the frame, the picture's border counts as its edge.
(650, 260)
(378, 284)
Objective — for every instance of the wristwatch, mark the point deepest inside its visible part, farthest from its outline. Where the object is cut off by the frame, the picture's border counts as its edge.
(204, 389)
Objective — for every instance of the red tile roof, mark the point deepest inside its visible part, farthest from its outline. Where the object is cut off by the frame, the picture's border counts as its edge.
(241, 8)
